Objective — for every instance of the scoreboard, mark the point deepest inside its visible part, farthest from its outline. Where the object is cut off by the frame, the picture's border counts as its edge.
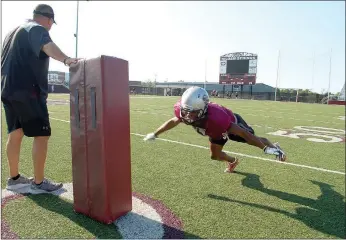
(238, 68)
(59, 78)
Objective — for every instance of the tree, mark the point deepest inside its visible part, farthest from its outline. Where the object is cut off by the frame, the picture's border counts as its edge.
(284, 90)
(149, 83)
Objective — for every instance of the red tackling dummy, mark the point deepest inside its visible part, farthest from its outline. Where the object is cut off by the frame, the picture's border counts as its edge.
(100, 138)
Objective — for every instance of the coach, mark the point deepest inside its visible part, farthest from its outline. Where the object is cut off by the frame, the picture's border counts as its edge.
(24, 91)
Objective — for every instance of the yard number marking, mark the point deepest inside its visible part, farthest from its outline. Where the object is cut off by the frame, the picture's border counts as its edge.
(314, 132)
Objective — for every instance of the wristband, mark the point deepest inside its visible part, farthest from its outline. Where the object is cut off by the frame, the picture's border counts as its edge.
(65, 60)
(264, 149)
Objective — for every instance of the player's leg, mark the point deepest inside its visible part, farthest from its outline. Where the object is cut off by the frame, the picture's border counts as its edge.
(13, 145)
(266, 142)
(242, 123)
(217, 154)
(35, 123)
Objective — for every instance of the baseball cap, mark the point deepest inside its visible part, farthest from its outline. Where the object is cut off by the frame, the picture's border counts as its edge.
(45, 10)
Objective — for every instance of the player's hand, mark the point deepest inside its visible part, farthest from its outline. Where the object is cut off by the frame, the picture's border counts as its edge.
(275, 151)
(150, 137)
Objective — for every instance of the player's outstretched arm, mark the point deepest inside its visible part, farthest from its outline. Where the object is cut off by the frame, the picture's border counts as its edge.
(171, 123)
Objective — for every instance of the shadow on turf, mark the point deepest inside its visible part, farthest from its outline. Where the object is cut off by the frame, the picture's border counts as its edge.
(325, 214)
(65, 208)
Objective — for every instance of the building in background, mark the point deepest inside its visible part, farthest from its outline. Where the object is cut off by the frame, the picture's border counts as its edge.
(58, 82)
(257, 91)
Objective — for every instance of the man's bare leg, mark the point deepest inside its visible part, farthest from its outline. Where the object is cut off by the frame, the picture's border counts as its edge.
(265, 141)
(39, 155)
(13, 146)
(216, 153)
(219, 155)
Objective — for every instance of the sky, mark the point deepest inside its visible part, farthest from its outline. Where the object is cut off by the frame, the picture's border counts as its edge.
(184, 40)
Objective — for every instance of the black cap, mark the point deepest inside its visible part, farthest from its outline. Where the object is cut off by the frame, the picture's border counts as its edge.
(45, 10)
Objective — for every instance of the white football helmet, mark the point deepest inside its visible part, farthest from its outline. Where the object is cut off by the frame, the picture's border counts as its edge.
(193, 104)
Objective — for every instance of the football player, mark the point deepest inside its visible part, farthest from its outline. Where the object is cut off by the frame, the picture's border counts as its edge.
(216, 122)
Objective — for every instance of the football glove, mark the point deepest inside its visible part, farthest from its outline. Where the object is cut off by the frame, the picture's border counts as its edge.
(150, 137)
(275, 151)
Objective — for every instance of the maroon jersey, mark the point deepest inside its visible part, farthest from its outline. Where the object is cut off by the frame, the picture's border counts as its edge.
(216, 123)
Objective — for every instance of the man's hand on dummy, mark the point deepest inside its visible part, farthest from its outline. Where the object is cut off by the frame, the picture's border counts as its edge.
(70, 61)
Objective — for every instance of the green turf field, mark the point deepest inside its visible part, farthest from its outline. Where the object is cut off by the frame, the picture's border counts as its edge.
(304, 198)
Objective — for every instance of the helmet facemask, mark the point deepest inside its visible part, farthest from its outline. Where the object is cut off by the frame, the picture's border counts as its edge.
(190, 116)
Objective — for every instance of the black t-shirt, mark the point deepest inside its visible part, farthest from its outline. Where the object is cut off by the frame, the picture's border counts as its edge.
(24, 67)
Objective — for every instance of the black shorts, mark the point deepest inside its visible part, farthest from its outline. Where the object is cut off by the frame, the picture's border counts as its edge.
(241, 123)
(30, 114)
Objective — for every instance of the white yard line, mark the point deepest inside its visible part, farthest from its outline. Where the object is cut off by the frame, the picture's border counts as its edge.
(153, 113)
(246, 155)
(151, 97)
(61, 120)
(235, 153)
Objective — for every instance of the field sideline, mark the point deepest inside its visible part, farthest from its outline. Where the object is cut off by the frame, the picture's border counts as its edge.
(303, 198)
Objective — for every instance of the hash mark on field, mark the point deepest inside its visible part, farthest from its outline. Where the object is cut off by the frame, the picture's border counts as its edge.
(240, 154)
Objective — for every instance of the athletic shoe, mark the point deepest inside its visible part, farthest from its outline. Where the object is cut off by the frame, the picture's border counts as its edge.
(231, 166)
(46, 186)
(19, 183)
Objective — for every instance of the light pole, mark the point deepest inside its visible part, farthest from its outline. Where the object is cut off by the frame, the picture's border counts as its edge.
(314, 64)
(155, 84)
(277, 75)
(330, 73)
(313, 71)
(205, 74)
(76, 34)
